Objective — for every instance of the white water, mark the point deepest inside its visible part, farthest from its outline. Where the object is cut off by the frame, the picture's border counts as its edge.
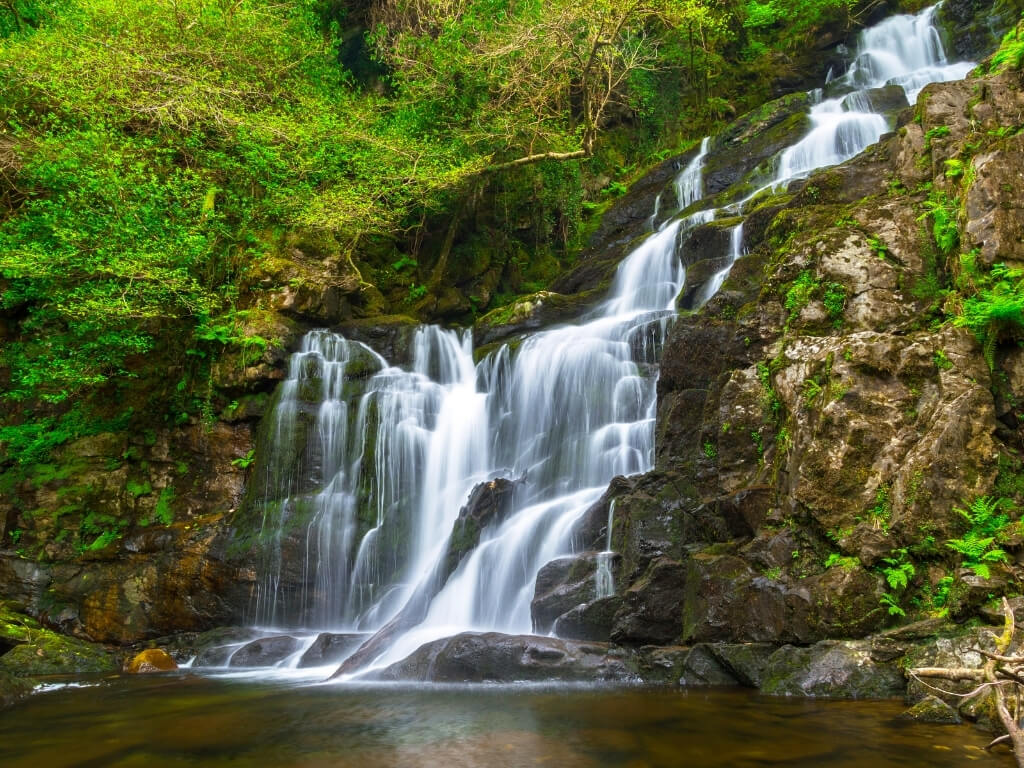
(571, 408)
(901, 50)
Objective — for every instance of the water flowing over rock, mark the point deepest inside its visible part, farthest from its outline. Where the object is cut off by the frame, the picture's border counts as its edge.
(359, 502)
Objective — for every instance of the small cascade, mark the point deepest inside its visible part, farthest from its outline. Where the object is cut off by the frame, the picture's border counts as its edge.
(604, 581)
(373, 462)
(902, 50)
(689, 183)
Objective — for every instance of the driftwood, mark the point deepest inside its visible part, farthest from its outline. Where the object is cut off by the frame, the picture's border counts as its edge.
(1002, 676)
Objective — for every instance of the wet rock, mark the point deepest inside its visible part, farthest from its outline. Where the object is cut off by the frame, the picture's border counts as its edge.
(331, 648)
(836, 669)
(746, 662)
(754, 138)
(530, 313)
(494, 657)
(703, 668)
(151, 660)
(887, 100)
(973, 28)
(489, 504)
(590, 621)
(932, 709)
(661, 664)
(13, 689)
(51, 654)
(562, 585)
(650, 607)
(264, 652)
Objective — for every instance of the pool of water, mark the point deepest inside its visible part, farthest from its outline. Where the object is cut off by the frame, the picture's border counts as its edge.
(187, 720)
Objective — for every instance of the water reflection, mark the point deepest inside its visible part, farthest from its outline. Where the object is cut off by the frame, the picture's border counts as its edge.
(191, 721)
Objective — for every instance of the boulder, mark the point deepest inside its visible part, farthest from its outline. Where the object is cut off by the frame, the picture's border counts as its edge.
(562, 585)
(932, 709)
(495, 657)
(331, 648)
(151, 660)
(13, 689)
(832, 668)
(590, 621)
(264, 652)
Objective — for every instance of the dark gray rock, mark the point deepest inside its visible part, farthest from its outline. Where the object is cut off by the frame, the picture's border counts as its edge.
(331, 648)
(495, 657)
(650, 612)
(702, 667)
(264, 652)
(590, 621)
(562, 585)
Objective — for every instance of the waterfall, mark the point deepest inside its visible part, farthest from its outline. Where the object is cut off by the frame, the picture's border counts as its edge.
(372, 462)
(902, 50)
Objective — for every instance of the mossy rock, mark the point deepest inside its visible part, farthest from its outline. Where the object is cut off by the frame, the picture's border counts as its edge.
(151, 660)
(51, 654)
(13, 689)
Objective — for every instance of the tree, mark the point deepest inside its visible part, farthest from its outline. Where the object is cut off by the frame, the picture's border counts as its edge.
(528, 81)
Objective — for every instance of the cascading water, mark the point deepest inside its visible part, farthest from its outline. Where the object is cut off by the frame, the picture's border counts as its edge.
(902, 50)
(391, 455)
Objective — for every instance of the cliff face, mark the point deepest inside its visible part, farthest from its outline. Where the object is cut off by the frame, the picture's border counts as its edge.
(823, 417)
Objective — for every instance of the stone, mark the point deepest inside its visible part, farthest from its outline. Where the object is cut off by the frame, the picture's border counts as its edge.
(13, 689)
(495, 657)
(264, 652)
(650, 611)
(589, 621)
(702, 667)
(51, 654)
(561, 586)
(835, 669)
(331, 648)
(151, 660)
(932, 709)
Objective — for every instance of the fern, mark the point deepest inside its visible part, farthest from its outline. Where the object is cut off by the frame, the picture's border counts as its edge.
(977, 547)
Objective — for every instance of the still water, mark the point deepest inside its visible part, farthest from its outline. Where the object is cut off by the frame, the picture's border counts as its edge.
(194, 721)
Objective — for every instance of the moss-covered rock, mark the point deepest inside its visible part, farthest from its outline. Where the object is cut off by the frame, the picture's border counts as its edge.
(151, 660)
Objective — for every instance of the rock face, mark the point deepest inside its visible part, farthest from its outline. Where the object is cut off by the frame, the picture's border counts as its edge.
(816, 426)
(493, 657)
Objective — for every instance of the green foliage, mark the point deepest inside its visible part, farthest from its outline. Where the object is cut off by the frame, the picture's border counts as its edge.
(881, 513)
(709, 450)
(934, 133)
(943, 212)
(996, 310)
(835, 560)
(812, 391)
(245, 461)
(800, 292)
(1011, 51)
(987, 523)
(898, 571)
(835, 302)
(941, 361)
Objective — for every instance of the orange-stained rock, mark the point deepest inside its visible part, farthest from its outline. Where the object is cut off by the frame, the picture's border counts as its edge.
(151, 660)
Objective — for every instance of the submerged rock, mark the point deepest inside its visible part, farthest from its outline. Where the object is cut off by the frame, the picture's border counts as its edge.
(932, 709)
(13, 689)
(499, 658)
